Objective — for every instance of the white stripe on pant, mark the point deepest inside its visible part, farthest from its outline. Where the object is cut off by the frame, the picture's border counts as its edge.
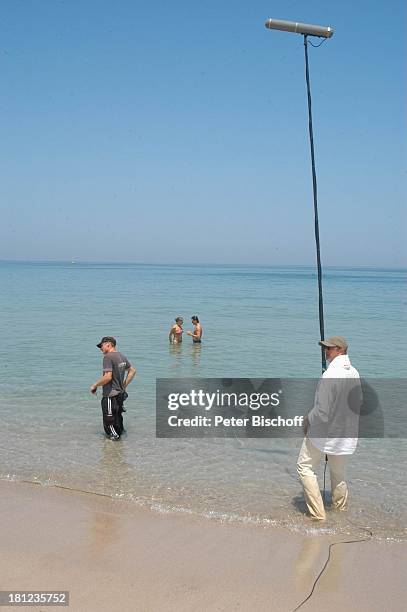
(308, 460)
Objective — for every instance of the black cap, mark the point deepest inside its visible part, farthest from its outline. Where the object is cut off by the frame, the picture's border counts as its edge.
(107, 339)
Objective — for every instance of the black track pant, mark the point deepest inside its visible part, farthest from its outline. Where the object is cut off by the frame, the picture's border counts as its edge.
(112, 410)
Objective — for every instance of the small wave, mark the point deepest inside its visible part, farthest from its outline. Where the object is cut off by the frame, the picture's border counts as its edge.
(296, 523)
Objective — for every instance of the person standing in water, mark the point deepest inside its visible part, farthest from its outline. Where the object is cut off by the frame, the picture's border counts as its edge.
(196, 335)
(331, 428)
(176, 331)
(117, 375)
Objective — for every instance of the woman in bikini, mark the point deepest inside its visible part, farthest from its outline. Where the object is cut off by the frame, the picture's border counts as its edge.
(175, 335)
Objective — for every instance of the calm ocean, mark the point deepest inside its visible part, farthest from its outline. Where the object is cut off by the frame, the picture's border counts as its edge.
(258, 322)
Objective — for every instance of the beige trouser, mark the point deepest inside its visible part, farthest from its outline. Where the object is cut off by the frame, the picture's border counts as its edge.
(308, 460)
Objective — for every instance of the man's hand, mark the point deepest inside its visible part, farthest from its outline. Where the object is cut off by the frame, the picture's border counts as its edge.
(93, 389)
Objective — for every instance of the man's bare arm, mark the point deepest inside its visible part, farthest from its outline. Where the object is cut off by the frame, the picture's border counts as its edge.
(196, 334)
(106, 378)
(130, 375)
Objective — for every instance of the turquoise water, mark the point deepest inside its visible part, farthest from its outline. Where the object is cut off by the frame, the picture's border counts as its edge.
(258, 322)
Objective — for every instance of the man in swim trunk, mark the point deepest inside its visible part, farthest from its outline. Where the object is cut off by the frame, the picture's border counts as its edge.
(117, 375)
(196, 335)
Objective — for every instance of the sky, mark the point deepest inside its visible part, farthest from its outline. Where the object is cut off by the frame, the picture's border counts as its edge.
(160, 132)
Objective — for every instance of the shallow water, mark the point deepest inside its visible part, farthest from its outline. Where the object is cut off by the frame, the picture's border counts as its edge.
(258, 322)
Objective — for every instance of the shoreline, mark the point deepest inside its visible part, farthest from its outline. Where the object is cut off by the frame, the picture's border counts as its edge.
(111, 554)
(302, 526)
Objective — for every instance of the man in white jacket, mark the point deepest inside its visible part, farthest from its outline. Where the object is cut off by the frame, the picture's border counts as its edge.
(331, 428)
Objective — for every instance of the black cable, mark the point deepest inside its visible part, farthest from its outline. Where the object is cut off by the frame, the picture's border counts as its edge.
(320, 296)
(316, 223)
(58, 486)
(326, 463)
(328, 559)
(321, 43)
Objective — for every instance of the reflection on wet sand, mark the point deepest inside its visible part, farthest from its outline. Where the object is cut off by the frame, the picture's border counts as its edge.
(105, 527)
(104, 531)
(313, 555)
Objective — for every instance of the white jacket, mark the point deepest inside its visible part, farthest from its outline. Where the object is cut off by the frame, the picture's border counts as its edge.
(334, 419)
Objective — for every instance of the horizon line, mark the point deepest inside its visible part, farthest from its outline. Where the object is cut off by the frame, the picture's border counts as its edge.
(75, 261)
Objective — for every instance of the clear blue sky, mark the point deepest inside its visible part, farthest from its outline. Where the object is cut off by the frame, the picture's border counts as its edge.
(177, 132)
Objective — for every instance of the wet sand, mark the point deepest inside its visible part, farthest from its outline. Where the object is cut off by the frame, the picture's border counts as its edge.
(113, 556)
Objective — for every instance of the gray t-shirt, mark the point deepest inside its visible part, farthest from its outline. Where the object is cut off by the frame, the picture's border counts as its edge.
(118, 364)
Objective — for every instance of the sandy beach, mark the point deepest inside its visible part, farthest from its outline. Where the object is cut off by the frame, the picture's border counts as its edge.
(111, 555)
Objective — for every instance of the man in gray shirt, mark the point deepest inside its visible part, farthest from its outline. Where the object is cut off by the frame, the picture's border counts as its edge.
(117, 375)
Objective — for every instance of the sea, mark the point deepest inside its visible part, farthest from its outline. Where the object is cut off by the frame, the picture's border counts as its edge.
(258, 322)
